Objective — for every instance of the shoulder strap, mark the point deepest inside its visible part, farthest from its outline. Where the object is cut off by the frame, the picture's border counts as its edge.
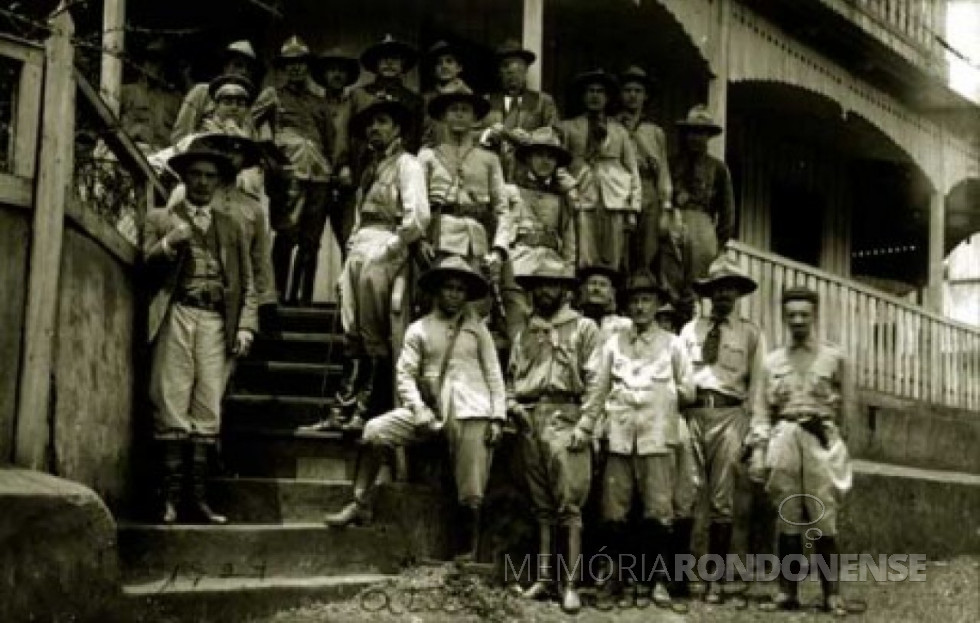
(449, 350)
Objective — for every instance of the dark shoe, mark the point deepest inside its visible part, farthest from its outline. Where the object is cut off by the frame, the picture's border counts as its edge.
(171, 479)
(660, 595)
(782, 601)
(680, 539)
(543, 584)
(352, 514)
(835, 605)
(354, 425)
(468, 536)
(788, 596)
(199, 484)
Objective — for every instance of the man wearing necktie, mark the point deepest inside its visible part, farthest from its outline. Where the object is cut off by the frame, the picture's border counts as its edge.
(202, 313)
(554, 398)
(728, 353)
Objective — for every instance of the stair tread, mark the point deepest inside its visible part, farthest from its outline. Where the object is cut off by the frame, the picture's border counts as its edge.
(280, 399)
(211, 584)
(284, 482)
(235, 528)
(292, 366)
(287, 433)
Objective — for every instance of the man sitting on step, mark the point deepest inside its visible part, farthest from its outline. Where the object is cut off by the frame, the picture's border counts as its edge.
(448, 379)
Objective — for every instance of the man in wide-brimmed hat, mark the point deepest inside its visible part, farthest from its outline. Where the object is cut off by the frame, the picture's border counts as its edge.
(515, 110)
(605, 168)
(702, 190)
(555, 399)
(445, 62)
(542, 219)
(448, 379)
(238, 58)
(645, 376)
(636, 88)
(389, 60)
(392, 214)
(202, 313)
(597, 298)
(728, 353)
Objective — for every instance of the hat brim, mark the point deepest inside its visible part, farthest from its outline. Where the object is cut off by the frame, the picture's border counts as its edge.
(562, 155)
(529, 281)
(281, 61)
(525, 55)
(605, 271)
(648, 83)
(180, 162)
(476, 286)
(350, 65)
(372, 55)
(252, 151)
(711, 129)
(439, 104)
(396, 109)
(217, 83)
(606, 80)
(744, 285)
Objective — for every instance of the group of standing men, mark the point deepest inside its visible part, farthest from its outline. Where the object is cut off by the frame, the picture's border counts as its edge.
(504, 207)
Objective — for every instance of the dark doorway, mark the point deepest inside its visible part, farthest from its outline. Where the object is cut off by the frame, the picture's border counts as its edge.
(797, 222)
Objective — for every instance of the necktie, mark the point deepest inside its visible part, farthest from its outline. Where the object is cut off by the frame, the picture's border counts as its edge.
(202, 218)
(712, 341)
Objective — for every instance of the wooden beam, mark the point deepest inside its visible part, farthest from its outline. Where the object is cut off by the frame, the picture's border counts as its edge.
(720, 34)
(937, 252)
(32, 427)
(113, 47)
(533, 39)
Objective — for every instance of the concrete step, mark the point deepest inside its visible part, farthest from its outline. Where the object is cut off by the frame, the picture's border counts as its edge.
(319, 319)
(277, 500)
(270, 411)
(149, 552)
(272, 453)
(231, 600)
(286, 378)
(298, 347)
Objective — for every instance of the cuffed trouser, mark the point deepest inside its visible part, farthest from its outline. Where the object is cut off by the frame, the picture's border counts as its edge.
(807, 482)
(471, 456)
(718, 435)
(365, 291)
(557, 478)
(687, 481)
(189, 373)
(651, 476)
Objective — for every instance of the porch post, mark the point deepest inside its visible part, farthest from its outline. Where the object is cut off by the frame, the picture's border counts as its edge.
(533, 38)
(937, 251)
(113, 46)
(717, 53)
(54, 172)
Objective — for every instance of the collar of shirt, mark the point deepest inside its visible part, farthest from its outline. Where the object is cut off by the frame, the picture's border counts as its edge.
(456, 85)
(647, 336)
(564, 315)
(809, 345)
(394, 148)
(539, 182)
(196, 210)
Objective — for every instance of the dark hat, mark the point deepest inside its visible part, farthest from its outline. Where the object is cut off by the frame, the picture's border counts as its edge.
(250, 150)
(600, 269)
(234, 80)
(724, 272)
(439, 104)
(387, 105)
(241, 48)
(551, 269)
(441, 48)
(198, 151)
(643, 281)
(800, 293)
(337, 56)
(635, 73)
(387, 48)
(455, 266)
(596, 76)
(512, 49)
(293, 50)
(545, 139)
(699, 120)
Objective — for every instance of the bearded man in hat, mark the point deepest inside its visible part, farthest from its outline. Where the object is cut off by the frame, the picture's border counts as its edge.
(605, 168)
(446, 64)
(542, 220)
(798, 450)
(389, 60)
(202, 314)
(554, 397)
(645, 377)
(702, 191)
(651, 157)
(728, 353)
(515, 110)
(448, 379)
(238, 58)
(305, 133)
(392, 214)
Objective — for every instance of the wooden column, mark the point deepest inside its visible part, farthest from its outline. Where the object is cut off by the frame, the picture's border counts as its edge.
(533, 39)
(54, 172)
(937, 251)
(113, 46)
(717, 53)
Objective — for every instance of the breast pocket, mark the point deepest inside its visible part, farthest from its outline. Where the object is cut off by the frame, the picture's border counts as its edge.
(781, 384)
(732, 357)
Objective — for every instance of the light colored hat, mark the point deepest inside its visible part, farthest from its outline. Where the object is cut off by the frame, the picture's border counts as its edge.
(699, 120)
(231, 84)
(241, 48)
(293, 50)
(546, 139)
(551, 269)
(724, 272)
(455, 266)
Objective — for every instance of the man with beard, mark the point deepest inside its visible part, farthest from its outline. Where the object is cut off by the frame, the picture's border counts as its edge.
(515, 111)
(449, 379)
(608, 181)
(389, 60)
(446, 63)
(392, 214)
(554, 399)
(728, 354)
(798, 449)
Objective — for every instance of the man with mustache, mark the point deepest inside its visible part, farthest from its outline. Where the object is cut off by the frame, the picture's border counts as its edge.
(728, 354)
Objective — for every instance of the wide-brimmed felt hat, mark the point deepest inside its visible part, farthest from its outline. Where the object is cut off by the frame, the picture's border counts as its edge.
(440, 103)
(240, 48)
(551, 269)
(387, 48)
(250, 150)
(724, 272)
(635, 73)
(512, 49)
(293, 50)
(699, 120)
(198, 151)
(642, 281)
(442, 48)
(544, 139)
(455, 266)
(389, 106)
(336, 56)
(596, 76)
(231, 80)
(600, 269)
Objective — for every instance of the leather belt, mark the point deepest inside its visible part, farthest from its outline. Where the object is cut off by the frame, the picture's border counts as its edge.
(552, 398)
(538, 239)
(711, 399)
(373, 219)
(460, 211)
(201, 301)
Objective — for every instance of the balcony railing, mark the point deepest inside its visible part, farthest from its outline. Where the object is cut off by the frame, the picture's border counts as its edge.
(914, 20)
(896, 348)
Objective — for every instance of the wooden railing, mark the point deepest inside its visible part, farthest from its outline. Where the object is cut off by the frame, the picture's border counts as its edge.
(896, 348)
(913, 20)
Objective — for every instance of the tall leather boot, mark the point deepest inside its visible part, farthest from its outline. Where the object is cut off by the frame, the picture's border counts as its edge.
(788, 596)
(307, 263)
(571, 602)
(680, 539)
(657, 552)
(543, 584)
(826, 546)
(358, 510)
(199, 485)
(605, 583)
(468, 535)
(718, 540)
(354, 365)
(371, 374)
(282, 262)
(171, 479)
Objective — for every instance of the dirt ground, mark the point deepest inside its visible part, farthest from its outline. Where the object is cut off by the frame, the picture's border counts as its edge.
(951, 592)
